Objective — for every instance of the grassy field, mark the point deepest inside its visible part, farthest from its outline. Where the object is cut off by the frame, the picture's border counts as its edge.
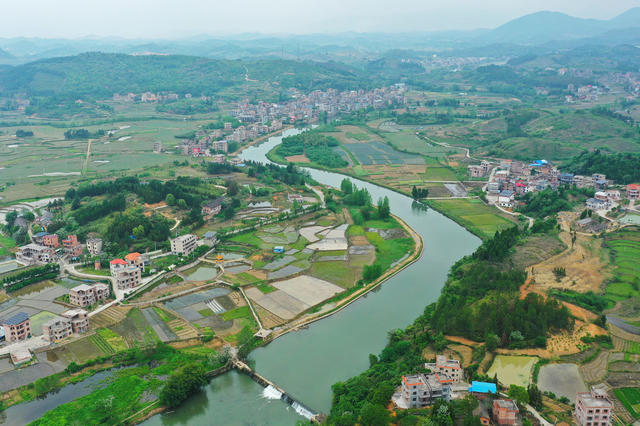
(6, 243)
(630, 398)
(407, 140)
(474, 215)
(625, 252)
(336, 272)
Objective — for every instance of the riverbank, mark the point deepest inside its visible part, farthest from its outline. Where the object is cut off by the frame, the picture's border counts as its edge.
(344, 303)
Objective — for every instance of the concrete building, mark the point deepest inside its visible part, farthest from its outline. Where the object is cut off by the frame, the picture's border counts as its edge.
(72, 246)
(596, 204)
(447, 369)
(505, 412)
(220, 146)
(421, 390)
(475, 171)
(212, 208)
(35, 254)
(593, 408)
(86, 295)
(127, 274)
(17, 327)
(183, 245)
(94, 246)
(633, 191)
(51, 240)
(79, 319)
(506, 198)
(56, 329)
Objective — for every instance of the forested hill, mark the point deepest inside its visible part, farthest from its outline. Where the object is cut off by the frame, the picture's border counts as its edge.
(100, 75)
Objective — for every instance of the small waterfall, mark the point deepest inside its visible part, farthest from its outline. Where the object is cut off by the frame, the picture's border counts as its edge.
(271, 393)
(304, 412)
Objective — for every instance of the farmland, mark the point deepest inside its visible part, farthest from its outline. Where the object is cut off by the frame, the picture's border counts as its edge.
(474, 215)
(630, 398)
(624, 246)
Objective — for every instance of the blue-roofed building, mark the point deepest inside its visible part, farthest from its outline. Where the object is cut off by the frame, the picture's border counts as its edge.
(17, 327)
(566, 178)
(278, 249)
(483, 388)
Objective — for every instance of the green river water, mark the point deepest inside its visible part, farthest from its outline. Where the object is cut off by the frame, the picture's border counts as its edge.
(306, 363)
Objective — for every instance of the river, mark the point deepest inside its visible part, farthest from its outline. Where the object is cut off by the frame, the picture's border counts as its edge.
(306, 363)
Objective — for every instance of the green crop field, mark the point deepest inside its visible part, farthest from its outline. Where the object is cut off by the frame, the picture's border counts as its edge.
(474, 215)
(439, 173)
(336, 272)
(408, 141)
(625, 252)
(630, 398)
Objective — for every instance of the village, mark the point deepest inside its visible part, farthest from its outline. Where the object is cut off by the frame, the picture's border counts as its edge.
(507, 182)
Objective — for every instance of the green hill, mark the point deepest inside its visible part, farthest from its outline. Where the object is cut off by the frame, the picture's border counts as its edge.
(100, 75)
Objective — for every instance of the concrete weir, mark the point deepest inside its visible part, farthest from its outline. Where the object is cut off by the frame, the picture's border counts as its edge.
(275, 392)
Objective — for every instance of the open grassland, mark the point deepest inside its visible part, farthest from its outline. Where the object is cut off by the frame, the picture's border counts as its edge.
(474, 215)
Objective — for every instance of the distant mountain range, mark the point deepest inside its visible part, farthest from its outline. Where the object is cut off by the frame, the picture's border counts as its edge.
(545, 30)
(542, 27)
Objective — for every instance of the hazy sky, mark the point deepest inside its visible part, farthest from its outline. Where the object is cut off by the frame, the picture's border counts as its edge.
(177, 18)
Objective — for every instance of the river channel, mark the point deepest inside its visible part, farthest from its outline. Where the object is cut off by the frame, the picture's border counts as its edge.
(306, 363)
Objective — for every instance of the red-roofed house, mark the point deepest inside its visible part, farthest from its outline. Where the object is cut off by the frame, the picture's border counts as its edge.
(134, 259)
(116, 264)
(633, 191)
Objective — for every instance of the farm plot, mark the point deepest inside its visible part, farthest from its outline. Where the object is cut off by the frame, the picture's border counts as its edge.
(625, 248)
(135, 330)
(473, 214)
(379, 153)
(190, 305)
(562, 380)
(407, 140)
(513, 370)
(158, 324)
(630, 398)
(294, 296)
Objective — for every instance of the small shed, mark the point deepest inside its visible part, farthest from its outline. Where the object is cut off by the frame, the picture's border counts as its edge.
(278, 249)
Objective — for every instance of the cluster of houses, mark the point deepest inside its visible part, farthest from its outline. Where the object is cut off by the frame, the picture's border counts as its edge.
(73, 321)
(45, 246)
(446, 379)
(264, 117)
(512, 178)
(593, 408)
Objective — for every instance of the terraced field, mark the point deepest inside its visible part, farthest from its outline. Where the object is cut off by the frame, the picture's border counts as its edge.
(625, 252)
(108, 317)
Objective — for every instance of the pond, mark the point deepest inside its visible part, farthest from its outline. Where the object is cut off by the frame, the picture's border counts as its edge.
(8, 265)
(27, 412)
(513, 370)
(562, 380)
(202, 273)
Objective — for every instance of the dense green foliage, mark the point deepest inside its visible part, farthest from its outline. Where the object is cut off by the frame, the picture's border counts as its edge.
(182, 384)
(82, 134)
(588, 300)
(100, 75)
(548, 202)
(317, 148)
(23, 133)
(18, 280)
(96, 210)
(621, 167)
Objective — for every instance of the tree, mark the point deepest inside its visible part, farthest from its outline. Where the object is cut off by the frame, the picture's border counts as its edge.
(519, 393)
(182, 203)
(383, 208)
(491, 342)
(232, 187)
(346, 186)
(374, 415)
(535, 396)
(182, 384)
(170, 199)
